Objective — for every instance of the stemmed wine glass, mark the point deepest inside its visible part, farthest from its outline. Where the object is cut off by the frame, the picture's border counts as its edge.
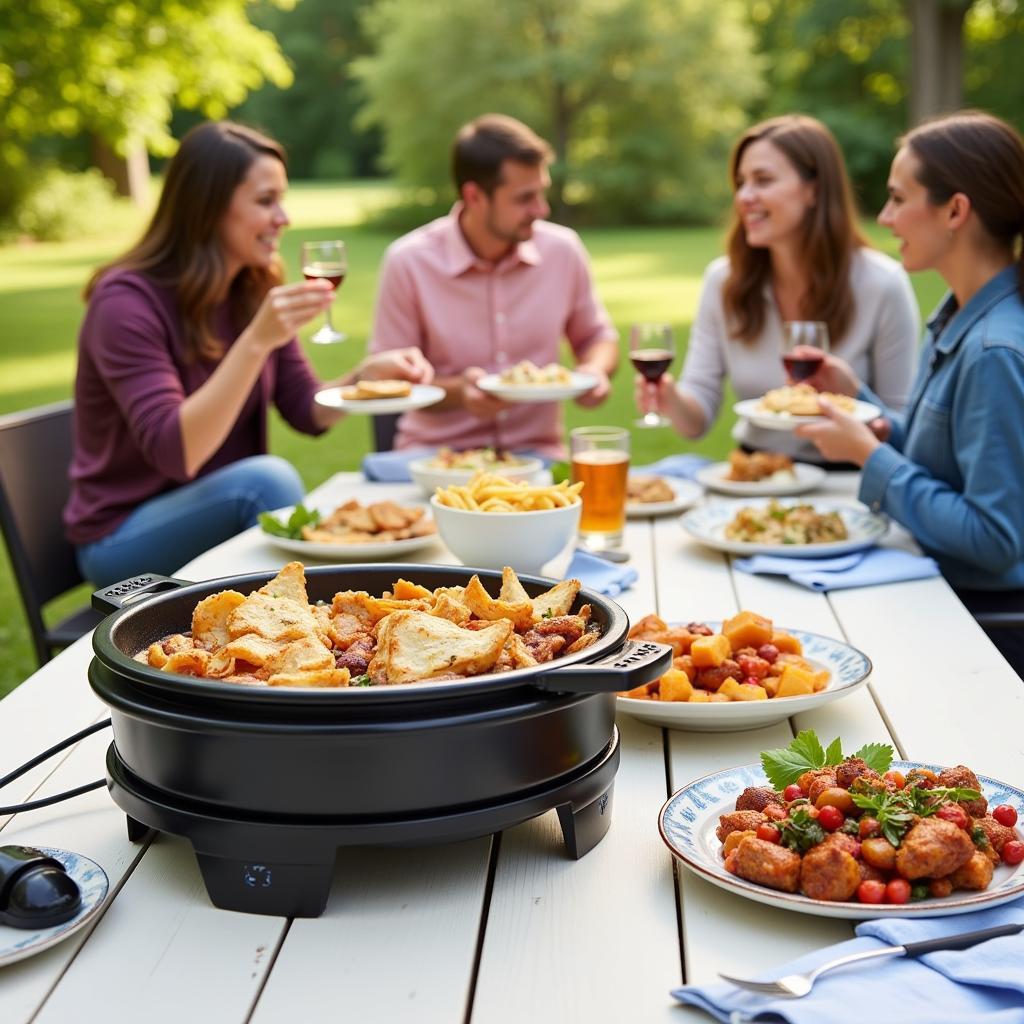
(804, 345)
(651, 350)
(327, 260)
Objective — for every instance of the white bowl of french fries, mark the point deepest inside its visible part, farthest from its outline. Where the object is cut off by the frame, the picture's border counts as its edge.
(493, 522)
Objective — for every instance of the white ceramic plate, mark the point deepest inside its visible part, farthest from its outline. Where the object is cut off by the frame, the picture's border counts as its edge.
(579, 384)
(18, 943)
(849, 670)
(381, 550)
(689, 819)
(420, 396)
(430, 477)
(707, 524)
(687, 493)
(749, 409)
(804, 477)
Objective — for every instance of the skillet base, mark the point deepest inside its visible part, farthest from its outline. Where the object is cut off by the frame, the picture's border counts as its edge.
(283, 865)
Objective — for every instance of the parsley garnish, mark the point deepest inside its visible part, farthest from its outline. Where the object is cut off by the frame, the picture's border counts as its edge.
(363, 680)
(786, 764)
(548, 614)
(300, 517)
(800, 831)
(896, 810)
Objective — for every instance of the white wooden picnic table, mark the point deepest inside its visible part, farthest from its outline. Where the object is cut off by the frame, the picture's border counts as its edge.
(496, 929)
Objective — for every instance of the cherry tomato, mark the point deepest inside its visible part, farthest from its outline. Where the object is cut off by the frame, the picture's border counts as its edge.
(792, 792)
(1005, 815)
(868, 827)
(830, 818)
(953, 813)
(1013, 852)
(870, 891)
(769, 833)
(775, 812)
(769, 652)
(897, 891)
(898, 779)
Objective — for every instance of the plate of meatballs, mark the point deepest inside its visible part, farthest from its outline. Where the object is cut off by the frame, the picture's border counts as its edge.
(847, 842)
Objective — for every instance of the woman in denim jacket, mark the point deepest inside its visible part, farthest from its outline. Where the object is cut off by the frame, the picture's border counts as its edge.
(951, 468)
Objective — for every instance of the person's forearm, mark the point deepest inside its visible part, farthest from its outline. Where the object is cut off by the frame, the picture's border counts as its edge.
(452, 394)
(209, 413)
(604, 355)
(685, 413)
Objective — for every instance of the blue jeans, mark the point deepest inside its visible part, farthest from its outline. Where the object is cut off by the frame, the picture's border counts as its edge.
(173, 528)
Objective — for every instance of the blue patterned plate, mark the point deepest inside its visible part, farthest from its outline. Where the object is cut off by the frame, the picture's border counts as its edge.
(707, 524)
(849, 669)
(690, 817)
(18, 943)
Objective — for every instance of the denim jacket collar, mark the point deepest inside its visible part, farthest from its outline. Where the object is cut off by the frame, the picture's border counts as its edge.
(950, 324)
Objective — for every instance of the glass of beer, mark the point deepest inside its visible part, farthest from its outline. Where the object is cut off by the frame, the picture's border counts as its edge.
(600, 458)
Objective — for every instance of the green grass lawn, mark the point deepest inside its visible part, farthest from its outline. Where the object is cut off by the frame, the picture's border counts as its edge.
(648, 274)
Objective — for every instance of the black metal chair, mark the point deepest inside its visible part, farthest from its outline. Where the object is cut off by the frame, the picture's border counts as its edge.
(35, 452)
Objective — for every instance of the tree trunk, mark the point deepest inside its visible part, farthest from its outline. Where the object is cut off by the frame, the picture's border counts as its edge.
(129, 174)
(561, 121)
(936, 56)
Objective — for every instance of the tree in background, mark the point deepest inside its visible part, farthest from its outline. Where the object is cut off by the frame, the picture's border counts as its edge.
(314, 119)
(641, 99)
(115, 70)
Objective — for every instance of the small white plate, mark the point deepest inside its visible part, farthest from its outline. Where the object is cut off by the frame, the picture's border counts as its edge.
(18, 943)
(707, 524)
(420, 396)
(579, 384)
(689, 819)
(804, 477)
(687, 493)
(849, 670)
(369, 552)
(749, 409)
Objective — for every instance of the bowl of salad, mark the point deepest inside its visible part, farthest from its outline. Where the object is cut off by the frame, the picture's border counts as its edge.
(449, 467)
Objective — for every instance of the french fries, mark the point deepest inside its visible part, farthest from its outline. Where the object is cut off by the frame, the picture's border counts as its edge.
(488, 492)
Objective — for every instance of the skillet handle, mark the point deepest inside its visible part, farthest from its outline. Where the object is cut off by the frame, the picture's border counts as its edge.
(118, 595)
(635, 662)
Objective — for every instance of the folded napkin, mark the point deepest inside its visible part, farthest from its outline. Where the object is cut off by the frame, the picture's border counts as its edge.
(985, 982)
(685, 466)
(392, 467)
(862, 569)
(597, 574)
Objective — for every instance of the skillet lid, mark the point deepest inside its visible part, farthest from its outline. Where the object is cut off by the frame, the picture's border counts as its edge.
(152, 617)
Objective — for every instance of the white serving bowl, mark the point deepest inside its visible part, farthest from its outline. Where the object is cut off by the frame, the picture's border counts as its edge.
(430, 477)
(492, 540)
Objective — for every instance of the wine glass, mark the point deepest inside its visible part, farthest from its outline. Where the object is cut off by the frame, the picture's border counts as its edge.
(327, 260)
(651, 350)
(804, 345)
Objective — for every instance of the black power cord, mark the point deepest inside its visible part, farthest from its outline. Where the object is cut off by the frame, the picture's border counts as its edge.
(32, 805)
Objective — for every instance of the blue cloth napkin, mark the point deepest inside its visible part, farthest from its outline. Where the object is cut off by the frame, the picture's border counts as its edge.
(392, 467)
(862, 569)
(596, 573)
(985, 982)
(686, 466)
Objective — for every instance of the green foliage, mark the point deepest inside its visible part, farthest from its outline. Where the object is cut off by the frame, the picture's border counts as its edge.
(61, 205)
(640, 99)
(115, 69)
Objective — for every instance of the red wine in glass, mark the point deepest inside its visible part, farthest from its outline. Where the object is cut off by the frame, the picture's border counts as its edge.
(651, 362)
(803, 364)
(325, 261)
(324, 272)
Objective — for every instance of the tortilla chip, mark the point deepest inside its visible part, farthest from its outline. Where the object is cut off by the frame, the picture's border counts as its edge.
(324, 678)
(582, 643)
(413, 645)
(486, 607)
(187, 663)
(305, 655)
(252, 649)
(274, 618)
(446, 607)
(519, 653)
(511, 589)
(406, 591)
(156, 657)
(289, 583)
(556, 601)
(210, 619)
(456, 593)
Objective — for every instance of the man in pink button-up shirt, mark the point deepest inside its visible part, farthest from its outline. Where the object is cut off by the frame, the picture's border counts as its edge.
(487, 286)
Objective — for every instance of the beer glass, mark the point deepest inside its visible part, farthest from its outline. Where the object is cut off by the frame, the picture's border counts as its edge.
(600, 458)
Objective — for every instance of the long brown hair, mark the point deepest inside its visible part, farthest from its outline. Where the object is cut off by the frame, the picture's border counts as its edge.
(830, 232)
(983, 157)
(181, 246)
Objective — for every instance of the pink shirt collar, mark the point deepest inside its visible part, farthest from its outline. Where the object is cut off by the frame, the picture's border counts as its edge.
(460, 258)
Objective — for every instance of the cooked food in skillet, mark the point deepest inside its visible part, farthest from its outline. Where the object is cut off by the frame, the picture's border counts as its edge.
(275, 637)
(776, 523)
(748, 660)
(837, 829)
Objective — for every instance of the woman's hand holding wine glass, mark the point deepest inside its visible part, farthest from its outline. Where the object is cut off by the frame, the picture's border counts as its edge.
(325, 261)
(651, 350)
(805, 344)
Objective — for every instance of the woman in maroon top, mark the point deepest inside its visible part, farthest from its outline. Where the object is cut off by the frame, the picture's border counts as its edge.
(188, 338)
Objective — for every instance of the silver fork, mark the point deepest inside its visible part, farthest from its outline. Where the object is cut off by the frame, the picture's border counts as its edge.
(796, 985)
